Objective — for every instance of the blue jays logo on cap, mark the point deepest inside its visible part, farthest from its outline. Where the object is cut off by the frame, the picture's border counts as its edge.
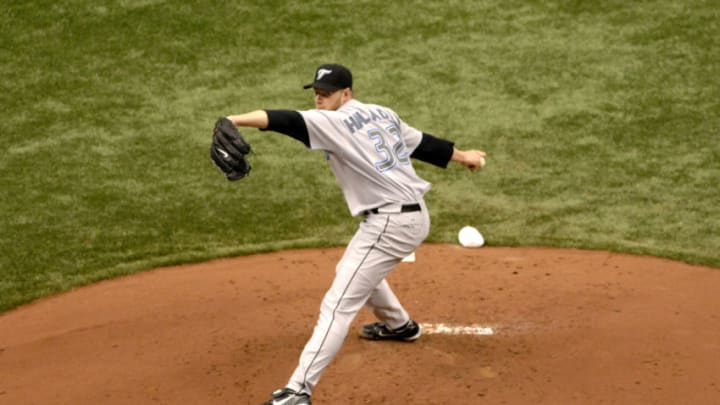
(331, 77)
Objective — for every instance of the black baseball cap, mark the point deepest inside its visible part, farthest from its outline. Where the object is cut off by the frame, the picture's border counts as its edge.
(331, 77)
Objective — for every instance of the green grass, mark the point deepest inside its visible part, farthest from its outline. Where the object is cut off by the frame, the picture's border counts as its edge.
(601, 119)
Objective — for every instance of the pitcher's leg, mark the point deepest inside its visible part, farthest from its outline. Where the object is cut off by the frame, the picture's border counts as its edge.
(386, 307)
(360, 270)
(411, 231)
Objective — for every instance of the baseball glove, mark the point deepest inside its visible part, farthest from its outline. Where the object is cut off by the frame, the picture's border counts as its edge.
(229, 149)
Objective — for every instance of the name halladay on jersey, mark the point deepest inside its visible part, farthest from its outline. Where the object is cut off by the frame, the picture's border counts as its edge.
(358, 120)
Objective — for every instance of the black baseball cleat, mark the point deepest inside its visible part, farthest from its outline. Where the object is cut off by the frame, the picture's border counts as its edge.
(378, 331)
(286, 396)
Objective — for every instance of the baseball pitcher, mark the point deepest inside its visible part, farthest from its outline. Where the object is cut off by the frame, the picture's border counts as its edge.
(370, 150)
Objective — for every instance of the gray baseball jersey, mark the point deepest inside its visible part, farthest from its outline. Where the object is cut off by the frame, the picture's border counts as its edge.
(364, 140)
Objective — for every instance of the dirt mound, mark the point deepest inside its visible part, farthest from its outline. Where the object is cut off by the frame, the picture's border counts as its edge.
(568, 327)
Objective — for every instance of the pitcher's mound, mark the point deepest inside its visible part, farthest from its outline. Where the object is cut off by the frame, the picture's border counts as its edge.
(559, 327)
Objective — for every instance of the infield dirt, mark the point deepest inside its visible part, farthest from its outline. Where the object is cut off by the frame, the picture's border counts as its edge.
(570, 327)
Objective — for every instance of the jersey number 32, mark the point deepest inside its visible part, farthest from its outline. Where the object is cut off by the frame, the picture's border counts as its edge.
(391, 146)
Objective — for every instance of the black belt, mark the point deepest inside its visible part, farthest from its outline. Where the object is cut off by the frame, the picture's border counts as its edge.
(404, 208)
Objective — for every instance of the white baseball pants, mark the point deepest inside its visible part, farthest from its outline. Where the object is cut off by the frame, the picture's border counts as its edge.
(379, 244)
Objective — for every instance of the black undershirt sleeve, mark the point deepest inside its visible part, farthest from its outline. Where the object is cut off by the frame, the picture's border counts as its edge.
(288, 122)
(435, 151)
